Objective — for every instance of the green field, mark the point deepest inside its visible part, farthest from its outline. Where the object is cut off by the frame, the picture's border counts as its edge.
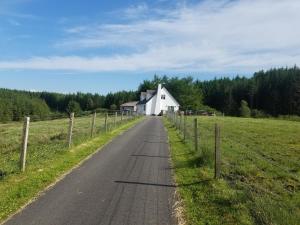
(48, 155)
(260, 179)
(45, 139)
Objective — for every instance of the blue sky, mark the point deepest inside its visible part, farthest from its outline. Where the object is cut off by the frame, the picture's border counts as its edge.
(102, 46)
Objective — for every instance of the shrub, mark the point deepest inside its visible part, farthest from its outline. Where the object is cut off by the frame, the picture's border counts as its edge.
(255, 113)
(244, 109)
(74, 107)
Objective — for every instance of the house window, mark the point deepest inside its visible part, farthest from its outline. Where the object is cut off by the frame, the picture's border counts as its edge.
(163, 96)
(144, 107)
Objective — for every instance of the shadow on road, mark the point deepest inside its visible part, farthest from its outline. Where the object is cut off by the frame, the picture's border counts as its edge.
(152, 156)
(144, 183)
(163, 185)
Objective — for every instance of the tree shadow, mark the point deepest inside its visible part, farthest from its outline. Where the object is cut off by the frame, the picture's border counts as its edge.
(151, 156)
(205, 182)
(145, 183)
(157, 142)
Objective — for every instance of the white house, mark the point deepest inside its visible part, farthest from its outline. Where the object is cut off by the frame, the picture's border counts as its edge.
(156, 102)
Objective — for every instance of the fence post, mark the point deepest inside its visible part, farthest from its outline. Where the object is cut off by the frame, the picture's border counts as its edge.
(184, 127)
(217, 152)
(196, 134)
(24, 144)
(105, 121)
(180, 123)
(121, 116)
(70, 132)
(93, 124)
(115, 119)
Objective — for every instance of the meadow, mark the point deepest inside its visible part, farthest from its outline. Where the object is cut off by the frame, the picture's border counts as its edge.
(260, 171)
(48, 155)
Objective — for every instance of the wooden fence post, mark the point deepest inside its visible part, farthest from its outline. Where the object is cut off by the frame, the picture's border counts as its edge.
(24, 144)
(105, 121)
(217, 152)
(121, 116)
(93, 124)
(70, 132)
(180, 123)
(184, 127)
(115, 119)
(196, 134)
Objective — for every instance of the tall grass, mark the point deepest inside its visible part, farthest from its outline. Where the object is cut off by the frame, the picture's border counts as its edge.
(46, 138)
(260, 162)
(48, 155)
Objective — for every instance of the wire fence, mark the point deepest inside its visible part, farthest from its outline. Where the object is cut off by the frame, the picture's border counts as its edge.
(259, 157)
(243, 140)
(49, 137)
(206, 148)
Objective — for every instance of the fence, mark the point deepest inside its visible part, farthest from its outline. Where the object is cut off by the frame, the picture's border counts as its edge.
(42, 139)
(189, 128)
(245, 141)
(258, 158)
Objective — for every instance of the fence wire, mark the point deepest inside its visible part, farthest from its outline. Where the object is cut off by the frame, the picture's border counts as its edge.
(50, 137)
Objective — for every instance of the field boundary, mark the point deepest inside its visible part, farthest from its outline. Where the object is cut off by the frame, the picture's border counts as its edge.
(108, 139)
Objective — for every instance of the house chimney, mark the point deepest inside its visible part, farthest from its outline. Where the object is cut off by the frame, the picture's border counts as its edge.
(158, 97)
(159, 87)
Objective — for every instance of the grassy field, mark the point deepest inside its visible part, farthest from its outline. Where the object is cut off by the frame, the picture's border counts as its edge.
(48, 156)
(260, 181)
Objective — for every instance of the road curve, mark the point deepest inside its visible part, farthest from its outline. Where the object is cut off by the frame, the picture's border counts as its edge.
(128, 182)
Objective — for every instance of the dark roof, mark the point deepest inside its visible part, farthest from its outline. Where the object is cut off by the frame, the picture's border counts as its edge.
(144, 101)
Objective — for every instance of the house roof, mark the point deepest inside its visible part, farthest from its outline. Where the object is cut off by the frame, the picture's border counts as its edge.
(144, 101)
(129, 103)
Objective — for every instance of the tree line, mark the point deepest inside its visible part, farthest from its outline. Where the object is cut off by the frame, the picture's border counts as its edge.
(15, 104)
(267, 93)
(274, 92)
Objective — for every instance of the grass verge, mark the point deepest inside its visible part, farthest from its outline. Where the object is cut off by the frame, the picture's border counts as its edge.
(260, 172)
(19, 188)
(205, 200)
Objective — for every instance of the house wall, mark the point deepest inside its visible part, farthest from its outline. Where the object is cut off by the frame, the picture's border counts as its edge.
(140, 109)
(168, 101)
(155, 105)
(150, 107)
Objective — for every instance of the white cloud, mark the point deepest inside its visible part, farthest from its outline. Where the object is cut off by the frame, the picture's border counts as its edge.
(244, 36)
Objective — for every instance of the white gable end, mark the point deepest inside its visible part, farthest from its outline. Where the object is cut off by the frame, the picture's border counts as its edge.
(167, 100)
(160, 102)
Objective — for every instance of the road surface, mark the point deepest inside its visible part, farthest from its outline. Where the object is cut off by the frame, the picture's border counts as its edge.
(128, 182)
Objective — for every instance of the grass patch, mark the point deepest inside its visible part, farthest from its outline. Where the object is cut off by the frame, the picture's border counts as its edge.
(16, 188)
(260, 172)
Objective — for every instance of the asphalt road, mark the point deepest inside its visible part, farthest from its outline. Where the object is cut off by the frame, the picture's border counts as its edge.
(128, 182)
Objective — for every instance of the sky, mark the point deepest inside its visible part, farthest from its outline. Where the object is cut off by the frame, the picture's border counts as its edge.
(105, 46)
